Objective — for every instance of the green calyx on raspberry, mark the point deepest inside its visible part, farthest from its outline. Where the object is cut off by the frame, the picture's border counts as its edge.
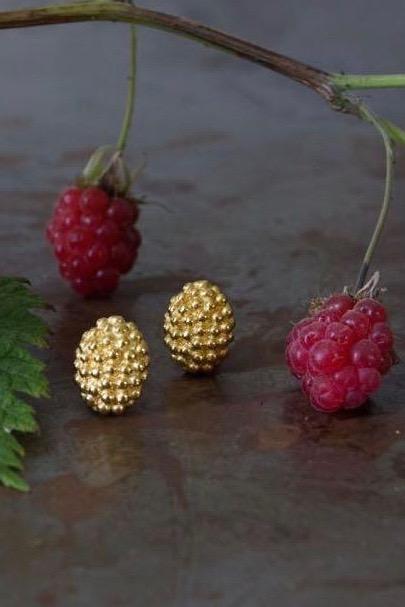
(107, 170)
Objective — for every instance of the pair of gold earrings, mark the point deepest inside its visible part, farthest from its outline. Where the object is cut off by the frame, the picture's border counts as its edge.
(112, 359)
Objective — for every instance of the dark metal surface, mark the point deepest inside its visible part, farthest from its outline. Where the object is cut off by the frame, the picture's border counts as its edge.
(226, 491)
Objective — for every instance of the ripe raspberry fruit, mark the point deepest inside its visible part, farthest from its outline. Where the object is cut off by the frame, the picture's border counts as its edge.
(340, 352)
(94, 238)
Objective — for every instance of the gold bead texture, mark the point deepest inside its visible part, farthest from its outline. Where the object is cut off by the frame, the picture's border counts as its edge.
(111, 365)
(198, 327)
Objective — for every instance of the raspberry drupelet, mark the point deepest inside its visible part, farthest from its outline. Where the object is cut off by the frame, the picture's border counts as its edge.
(340, 352)
(94, 238)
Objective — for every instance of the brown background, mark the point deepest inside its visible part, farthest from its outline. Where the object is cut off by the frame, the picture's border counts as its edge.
(226, 491)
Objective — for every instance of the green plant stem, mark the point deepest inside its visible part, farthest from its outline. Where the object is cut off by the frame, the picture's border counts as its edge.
(329, 86)
(389, 158)
(129, 109)
(122, 12)
(368, 81)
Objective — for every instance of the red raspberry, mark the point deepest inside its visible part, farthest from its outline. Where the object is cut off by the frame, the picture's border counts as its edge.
(94, 239)
(340, 353)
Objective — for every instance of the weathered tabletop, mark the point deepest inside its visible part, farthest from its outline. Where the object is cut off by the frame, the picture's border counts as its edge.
(226, 491)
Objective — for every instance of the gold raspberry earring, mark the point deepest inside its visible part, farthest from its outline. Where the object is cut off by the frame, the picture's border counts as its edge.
(199, 327)
(111, 365)
(112, 358)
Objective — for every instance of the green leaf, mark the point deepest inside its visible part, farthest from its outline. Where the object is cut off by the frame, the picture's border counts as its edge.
(9, 457)
(12, 479)
(18, 416)
(17, 324)
(20, 373)
(11, 443)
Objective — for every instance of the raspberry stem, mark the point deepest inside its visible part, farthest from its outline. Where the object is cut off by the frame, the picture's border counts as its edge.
(129, 109)
(330, 86)
(349, 82)
(367, 115)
